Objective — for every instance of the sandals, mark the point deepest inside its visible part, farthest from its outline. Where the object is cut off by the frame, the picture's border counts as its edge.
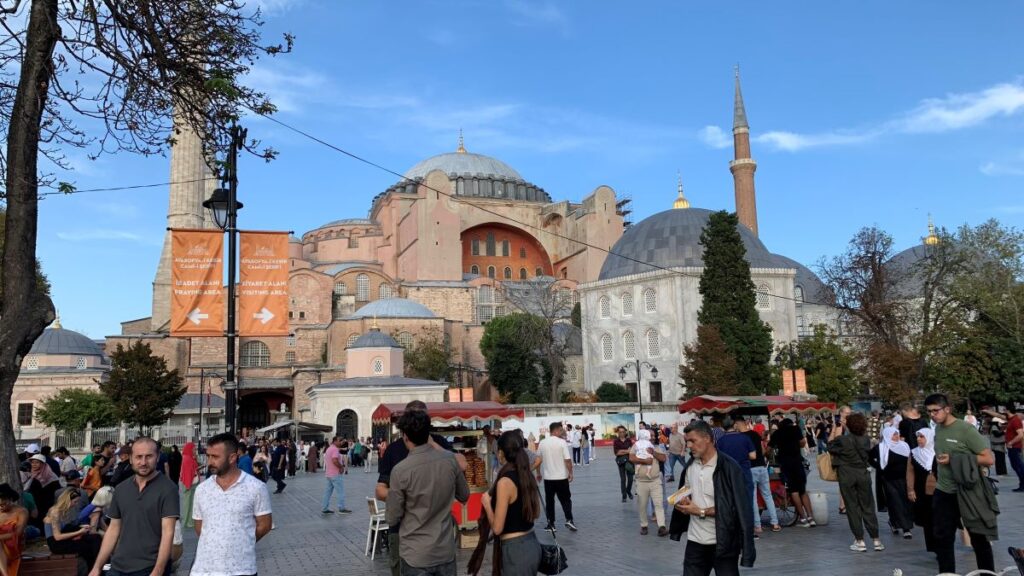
(842, 511)
(776, 528)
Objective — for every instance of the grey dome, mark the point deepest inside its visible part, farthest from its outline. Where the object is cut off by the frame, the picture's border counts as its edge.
(61, 341)
(375, 339)
(393, 308)
(348, 222)
(672, 239)
(464, 164)
(815, 291)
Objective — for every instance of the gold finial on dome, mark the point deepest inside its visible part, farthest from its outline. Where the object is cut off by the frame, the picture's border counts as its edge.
(681, 202)
(462, 148)
(374, 327)
(932, 238)
(56, 321)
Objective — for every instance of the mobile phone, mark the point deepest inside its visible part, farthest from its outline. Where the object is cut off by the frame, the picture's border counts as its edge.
(837, 417)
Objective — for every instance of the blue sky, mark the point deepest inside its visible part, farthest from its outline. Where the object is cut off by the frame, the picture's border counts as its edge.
(861, 113)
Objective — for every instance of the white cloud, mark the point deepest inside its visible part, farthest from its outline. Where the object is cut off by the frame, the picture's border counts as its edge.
(271, 7)
(714, 137)
(296, 89)
(103, 235)
(791, 142)
(1012, 167)
(534, 13)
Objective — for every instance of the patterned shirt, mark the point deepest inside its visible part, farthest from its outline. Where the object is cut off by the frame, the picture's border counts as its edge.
(227, 544)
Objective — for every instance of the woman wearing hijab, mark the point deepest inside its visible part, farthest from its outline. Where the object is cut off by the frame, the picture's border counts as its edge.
(42, 483)
(890, 457)
(189, 479)
(921, 482)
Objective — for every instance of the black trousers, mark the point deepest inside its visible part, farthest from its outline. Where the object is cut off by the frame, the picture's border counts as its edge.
(576, 452)
(625, 482)
(946, 521)
(278, 476)
(559, 488)
(1000, 463)
(700, 560)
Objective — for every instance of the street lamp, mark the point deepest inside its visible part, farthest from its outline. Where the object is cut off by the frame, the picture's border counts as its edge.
(224, 205)
(639, 390)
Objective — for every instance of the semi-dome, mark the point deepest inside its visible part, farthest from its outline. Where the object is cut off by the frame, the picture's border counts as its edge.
(456, 164)
(393, 308)
(671, 239)
(814, 290)
(375, 339)
(65, 342)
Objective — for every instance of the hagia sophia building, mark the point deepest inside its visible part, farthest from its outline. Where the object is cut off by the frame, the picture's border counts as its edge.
(433, 259)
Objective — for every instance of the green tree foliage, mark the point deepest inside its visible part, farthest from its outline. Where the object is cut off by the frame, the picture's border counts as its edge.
(729, 303)
(73, 408)
(428, 358)
(829, 367)
(577, 315)
(143, 391)
(612, 392)
(510, 347)
(709, 367)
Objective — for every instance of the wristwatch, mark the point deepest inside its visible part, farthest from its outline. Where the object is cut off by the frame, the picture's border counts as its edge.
(703, 513)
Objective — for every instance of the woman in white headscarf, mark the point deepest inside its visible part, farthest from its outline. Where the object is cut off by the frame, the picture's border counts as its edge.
(921, 482)
(890, 457)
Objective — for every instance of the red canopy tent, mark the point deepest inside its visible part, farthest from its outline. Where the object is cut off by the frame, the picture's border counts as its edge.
(747, 405)
(449, 412)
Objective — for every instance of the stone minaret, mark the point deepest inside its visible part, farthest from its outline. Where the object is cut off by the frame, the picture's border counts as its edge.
(192, 182)
(743, 166)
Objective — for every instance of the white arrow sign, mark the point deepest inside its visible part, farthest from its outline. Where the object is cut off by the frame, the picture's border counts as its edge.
(196, 316)
(264, 316)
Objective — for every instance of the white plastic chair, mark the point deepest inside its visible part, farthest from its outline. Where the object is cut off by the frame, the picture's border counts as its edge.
(378, 524)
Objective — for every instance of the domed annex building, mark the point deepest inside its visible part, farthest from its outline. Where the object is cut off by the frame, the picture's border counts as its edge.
(644, 304)
(429, 261)
(59, 359)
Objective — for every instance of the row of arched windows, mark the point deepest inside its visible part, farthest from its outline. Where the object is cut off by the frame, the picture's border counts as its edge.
(650, 301)
(492, 272)
(651, 339)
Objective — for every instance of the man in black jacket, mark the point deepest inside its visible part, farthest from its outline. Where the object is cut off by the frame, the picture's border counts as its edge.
(717, 515)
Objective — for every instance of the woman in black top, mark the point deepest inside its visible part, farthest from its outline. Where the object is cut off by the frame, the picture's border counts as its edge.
(174, 461)
(511, 506)
(921, 483)
(621, 446)
(788, 441)
(889, 457)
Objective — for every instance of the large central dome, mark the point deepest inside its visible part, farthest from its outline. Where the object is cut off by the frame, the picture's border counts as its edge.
(465, 164)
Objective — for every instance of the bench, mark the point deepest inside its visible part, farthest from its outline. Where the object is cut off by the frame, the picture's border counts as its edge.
(49, 565)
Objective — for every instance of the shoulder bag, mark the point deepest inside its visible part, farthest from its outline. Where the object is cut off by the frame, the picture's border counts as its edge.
(552, 558)
(825, 468)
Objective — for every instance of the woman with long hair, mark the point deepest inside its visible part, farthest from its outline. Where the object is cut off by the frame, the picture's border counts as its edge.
(13, 519)
(850, 459)
(510, 508)
(64, 535)
(921, 483)
(891, 458)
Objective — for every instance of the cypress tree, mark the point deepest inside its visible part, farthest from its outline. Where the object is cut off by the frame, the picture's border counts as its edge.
(729, 300)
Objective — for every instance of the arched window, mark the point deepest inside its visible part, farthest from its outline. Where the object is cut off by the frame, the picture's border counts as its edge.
(352, 339)
(384, 291)
(650, 300)
(255, 354)
(508, 273)
(474, 269)
(764, 300)
(606, 347)
(604, 305)
(522, 273)
(629, 345)
(340, 288)
(653, 344)
(627, 303)
(475, 247)
(404, 340)
(378, 366)
(798, 293)
(490, 272)
(506, 248)
(362, 288)
(539, 272)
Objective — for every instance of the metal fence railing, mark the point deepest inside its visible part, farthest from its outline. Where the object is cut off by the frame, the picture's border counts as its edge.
(73, 440)
(106, 434)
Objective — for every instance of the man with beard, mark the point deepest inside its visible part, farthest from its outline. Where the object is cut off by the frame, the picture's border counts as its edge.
(231, 512)
(142, 517)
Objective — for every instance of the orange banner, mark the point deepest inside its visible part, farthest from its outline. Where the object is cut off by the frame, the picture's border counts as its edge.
(197, 283)
(794, 382)
(263, 284)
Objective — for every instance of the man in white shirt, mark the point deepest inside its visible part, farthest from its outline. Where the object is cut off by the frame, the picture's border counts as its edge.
(231, 511)
(574, 443)
(556, 468)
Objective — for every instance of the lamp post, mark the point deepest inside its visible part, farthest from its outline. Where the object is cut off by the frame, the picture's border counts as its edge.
(639, 390)
(224, 205)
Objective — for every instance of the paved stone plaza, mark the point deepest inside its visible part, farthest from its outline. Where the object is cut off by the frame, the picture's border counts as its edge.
(306, 543)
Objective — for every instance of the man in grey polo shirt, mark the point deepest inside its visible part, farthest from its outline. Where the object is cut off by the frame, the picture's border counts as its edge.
(142, 517)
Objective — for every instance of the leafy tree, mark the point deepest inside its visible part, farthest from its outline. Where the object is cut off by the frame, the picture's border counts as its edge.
(143, 391)
(729, 304)
(830, 368)
(108, 77)
(428, 358)
(509, 346)
(73, 408)
(709, 367)
(612, 392)
(549, 303)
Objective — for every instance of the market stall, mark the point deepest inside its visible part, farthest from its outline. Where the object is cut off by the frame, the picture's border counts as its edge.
(462, 424)
(755, 405)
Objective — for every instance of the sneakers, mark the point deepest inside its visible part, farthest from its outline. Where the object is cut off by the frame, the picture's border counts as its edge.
(623, 498)
(643, 530)
(811, 523)
(571, 526)
(344, 511)
(907, 535)
(1021, 489)
(879, 546)
(805, 523)
(550, 528)
(662, 531)
(858, 547)
(327, 511)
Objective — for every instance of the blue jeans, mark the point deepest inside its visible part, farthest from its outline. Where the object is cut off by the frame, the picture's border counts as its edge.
(761, 482)
(1017, 463)
(672, 459)
(334, 484)
(586, 453)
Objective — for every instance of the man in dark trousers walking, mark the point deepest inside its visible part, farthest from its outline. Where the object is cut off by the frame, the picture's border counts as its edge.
(278, 461)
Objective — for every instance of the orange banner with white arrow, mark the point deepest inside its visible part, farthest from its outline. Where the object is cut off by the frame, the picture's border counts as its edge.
(263, 284)
(197, 283)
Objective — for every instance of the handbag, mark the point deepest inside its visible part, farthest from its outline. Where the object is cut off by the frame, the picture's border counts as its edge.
(552, 558)
(825, 468)
(621, 459)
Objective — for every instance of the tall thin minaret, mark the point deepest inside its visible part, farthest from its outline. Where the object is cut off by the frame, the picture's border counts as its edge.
(743, 166)
(192, 182)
